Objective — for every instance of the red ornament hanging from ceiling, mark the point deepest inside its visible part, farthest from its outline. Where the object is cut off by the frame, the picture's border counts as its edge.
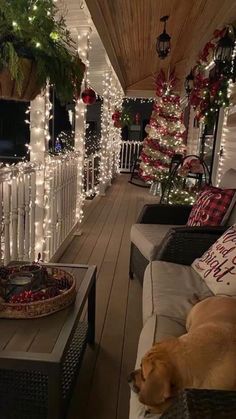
(88, 96)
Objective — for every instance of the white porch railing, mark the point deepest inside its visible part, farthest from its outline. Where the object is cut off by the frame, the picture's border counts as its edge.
(91, 174)
(17, 212)
(130, 150)
(60, 201)
(40, 205)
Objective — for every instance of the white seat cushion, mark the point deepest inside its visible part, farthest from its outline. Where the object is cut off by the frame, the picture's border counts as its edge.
(169, 288)
(155, 329)
(147, 238)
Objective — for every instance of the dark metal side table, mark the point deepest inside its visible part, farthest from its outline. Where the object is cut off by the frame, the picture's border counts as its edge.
(40, 358)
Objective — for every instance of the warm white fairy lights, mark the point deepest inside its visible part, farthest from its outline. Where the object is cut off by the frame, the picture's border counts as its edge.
(139, 99)
(223, 155)
(84, 48)
(80, 126)
(110, 136)
(53, 169)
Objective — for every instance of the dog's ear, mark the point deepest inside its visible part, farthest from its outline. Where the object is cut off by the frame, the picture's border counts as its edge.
(157, 387)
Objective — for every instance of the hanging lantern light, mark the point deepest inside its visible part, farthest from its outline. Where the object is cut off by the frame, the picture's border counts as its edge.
(189, 82)
(224, 48)
(163, 41)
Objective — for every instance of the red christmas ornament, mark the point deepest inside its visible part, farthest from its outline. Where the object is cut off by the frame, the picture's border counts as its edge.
(88, 96)
(116, 116)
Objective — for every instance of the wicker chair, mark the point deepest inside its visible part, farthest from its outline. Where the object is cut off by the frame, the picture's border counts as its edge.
(155, 215)
(154, 222)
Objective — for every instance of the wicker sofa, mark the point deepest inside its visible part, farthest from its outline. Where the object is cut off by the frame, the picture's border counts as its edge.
(155, 220)
(168, 291)
(169, 285)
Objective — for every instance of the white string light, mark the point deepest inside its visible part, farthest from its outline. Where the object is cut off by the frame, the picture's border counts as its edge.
(139, 99)
(223, 155)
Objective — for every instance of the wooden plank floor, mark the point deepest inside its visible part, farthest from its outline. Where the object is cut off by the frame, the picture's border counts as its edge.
(101, 391)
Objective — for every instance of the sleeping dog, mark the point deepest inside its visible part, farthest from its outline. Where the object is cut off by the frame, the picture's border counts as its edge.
(203, 358)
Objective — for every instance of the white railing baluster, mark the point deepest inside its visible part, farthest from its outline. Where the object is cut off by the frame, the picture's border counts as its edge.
(6, 222)
(21, 213)
(129, 151)
(32, 215)
(14, 218)
(59, 206)
(93, 177)
(27, 215)
(1, 223)
(126, 155)
(122, 155)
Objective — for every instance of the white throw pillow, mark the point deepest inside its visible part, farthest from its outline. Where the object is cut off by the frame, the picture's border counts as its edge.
(217, 266)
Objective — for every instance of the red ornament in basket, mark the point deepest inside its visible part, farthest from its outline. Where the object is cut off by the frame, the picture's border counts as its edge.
(88, 96)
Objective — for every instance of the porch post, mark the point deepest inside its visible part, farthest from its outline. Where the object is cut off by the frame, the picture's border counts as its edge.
(222, 121)
(80, 126)
(37, 155)
(80, 120)
(104, 162)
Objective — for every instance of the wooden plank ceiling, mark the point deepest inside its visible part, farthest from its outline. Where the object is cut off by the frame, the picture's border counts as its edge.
(129, 28)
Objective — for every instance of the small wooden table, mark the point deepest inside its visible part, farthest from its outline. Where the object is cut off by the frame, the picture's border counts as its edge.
(40, 358)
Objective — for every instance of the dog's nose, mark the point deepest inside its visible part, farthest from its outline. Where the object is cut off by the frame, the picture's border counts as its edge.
(130, 377)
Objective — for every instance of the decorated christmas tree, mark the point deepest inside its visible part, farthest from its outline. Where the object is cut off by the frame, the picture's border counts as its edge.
(166, 132)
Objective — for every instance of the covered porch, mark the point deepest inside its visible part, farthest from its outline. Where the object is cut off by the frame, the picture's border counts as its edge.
(68, 198)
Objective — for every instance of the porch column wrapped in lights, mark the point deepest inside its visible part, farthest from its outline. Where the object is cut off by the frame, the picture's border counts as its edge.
(110, 136)
(103, 181)
(116, 99)
(84, 47)
(38, 139)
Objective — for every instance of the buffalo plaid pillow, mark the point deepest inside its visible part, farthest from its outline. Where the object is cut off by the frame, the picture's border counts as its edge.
(210, 207)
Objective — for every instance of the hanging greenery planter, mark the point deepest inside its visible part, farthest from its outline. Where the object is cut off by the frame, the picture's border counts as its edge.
(30, 87)
(35, 46)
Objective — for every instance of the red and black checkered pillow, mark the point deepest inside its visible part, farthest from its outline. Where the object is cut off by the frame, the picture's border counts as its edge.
(210, 207)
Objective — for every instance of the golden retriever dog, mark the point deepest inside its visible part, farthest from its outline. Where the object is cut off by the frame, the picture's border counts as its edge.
(203, 358)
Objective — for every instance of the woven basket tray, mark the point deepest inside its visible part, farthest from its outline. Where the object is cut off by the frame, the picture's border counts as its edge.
(43, 307)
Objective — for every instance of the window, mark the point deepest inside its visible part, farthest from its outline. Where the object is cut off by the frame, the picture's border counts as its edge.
(14, 132)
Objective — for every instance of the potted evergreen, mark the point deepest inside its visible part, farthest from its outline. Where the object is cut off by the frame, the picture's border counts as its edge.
(35, 46)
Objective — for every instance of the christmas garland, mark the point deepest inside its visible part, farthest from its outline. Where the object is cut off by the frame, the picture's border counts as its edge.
(209, 94)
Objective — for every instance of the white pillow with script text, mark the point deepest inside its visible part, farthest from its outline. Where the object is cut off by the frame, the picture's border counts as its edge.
(217, 266)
